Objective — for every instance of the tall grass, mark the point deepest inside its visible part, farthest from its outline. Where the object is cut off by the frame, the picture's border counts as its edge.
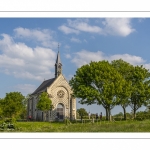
(103, 126)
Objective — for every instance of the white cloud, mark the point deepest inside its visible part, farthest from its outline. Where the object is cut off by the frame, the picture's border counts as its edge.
(43, 36)
(147, 66)
(119, 26)
(25, 88)
(75, 40)
(135, 60)
(84, 57)
(83, 25)
(111, 26)
(67, 30)
(25, 62)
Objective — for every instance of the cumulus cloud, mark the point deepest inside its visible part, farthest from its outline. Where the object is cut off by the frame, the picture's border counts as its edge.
(118, 26)
(135, 60)
(25, 88)
(110, 26)
(147, 66)
(43, 36)
(84, 26)
(67, 30)
(25, 62)
(84, 57)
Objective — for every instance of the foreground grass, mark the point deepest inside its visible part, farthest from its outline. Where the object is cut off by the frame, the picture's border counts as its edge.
(103, 126)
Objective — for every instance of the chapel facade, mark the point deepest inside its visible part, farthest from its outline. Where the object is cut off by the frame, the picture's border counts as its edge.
(60, 93)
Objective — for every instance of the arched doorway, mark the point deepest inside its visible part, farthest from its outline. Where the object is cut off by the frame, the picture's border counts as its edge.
(60, 111)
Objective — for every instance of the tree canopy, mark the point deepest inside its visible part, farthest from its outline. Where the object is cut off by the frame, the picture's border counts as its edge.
(98, 82)
(125, 69)
(1, 107)
(140, 91)
(82, 112)
(12, 104)
(112, 83)
(44, 104)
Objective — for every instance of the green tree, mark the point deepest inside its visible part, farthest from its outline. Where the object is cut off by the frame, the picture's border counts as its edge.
(44, 104)
(97, 82)
(119, 115)
(1, 107)
(23, 114)
(12, 104)
(125, 69)
(82, 112)
(140, 91)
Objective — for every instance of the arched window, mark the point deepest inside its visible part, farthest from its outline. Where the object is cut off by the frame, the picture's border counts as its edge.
(60, 111)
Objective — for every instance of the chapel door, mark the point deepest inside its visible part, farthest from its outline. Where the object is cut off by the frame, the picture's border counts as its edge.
(60, 111)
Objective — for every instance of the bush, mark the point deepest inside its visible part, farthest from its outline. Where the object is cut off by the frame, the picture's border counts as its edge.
(7, 120)
(139, 118)
(21, 120)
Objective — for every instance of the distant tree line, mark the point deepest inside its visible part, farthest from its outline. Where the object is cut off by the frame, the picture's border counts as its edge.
(112, 83)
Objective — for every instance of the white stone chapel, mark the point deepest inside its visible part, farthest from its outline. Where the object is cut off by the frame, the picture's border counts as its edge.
(59, 91)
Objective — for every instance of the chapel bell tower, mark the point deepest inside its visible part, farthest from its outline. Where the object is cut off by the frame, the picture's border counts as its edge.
(58, 65)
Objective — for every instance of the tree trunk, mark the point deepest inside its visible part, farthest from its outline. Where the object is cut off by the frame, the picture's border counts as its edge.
(106, 113)
(109, 114)
(124, 111)
(44, 116)
(134, 113)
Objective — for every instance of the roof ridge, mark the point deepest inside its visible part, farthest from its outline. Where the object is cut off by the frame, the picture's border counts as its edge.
(48, 79)
(43, 85)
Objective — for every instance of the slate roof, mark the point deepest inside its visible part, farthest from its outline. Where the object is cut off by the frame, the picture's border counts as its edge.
(44, 85)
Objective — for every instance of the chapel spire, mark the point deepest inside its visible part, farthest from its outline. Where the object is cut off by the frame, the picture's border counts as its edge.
(58, 65)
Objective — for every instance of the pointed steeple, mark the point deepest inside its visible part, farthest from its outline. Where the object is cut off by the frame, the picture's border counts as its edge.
(58, 65)
(58, 61)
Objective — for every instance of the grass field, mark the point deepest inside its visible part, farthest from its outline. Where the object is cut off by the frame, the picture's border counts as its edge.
(103, 126)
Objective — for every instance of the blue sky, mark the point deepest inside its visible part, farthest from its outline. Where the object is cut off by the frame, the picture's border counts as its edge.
(28, 48)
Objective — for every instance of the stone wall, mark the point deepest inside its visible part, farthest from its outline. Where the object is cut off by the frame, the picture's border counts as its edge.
(59, 92)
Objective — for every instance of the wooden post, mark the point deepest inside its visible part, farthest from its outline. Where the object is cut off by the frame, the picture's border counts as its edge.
(93, 120)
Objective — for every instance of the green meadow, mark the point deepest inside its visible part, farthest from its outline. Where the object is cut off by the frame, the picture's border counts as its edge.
(85, 126)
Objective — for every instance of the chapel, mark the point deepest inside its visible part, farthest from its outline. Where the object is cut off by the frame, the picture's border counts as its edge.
(60, 93)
